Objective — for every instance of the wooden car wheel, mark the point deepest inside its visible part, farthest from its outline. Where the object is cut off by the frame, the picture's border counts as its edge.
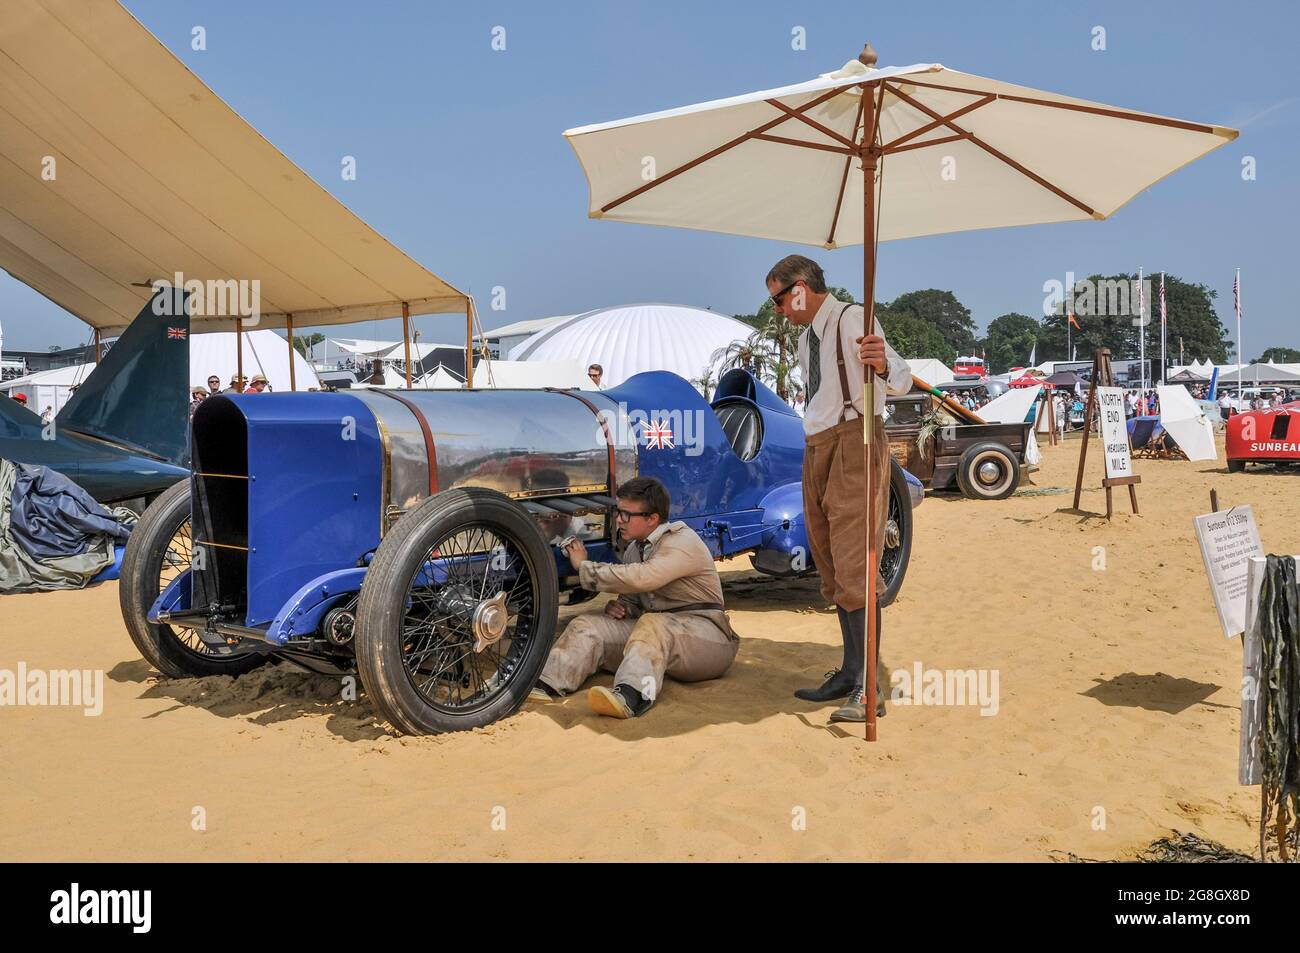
(457, 613)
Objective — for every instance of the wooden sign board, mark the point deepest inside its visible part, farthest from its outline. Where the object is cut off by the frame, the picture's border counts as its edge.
(1106, 401)
(1229, 539)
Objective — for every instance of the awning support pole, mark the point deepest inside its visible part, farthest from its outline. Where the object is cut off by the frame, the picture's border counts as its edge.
(96, 345)
(469, 343)
(239, 355)
(406, 340)
(293, 378)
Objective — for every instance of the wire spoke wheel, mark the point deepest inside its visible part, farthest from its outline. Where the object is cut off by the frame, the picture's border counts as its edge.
(460, 648)
(457, 613)
(160, 549)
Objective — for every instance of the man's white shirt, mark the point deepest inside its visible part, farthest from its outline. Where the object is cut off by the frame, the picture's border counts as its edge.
(823, 410)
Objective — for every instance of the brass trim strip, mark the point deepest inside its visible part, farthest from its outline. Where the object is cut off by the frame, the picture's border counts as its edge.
(224, 476)
(562, 491)
(204, 542)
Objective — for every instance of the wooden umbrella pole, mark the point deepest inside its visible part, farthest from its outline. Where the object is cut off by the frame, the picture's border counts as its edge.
(870, 158)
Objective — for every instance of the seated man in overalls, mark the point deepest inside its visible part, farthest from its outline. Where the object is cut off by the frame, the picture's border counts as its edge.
(668, 618)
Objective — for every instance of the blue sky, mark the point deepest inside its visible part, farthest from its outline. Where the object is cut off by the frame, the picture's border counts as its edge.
(461, 162)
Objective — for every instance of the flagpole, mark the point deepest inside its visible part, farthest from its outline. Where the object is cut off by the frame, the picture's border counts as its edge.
(1142, 339)
(1236, 303)
(1163, 366)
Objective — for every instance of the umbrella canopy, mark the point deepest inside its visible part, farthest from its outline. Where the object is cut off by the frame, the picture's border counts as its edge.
(777, 163)
(1184, 420)
(1066, 379)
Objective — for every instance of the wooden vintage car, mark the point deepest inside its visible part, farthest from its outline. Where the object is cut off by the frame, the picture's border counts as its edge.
(983, 461)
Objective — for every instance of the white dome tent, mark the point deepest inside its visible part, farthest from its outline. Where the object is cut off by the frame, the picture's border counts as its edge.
(628, 339)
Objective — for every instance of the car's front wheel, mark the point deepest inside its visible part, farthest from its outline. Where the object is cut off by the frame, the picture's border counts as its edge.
(457, 613)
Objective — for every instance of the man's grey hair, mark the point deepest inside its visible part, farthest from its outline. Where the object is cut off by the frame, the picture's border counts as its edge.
(792, 268)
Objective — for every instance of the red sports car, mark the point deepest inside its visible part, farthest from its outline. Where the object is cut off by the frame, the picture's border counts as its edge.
(1264, 436)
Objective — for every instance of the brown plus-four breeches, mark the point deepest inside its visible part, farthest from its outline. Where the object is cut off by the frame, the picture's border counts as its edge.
(834, 478)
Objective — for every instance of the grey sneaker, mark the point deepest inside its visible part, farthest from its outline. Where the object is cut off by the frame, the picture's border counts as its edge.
(855, 710)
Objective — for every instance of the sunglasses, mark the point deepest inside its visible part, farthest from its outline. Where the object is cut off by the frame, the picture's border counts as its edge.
(776, 298)
(624, 515)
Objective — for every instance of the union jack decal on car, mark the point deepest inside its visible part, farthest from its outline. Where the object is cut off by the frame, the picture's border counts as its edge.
(658, 435)
(177, 334)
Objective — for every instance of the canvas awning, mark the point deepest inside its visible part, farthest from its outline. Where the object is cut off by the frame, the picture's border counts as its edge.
(152, 174)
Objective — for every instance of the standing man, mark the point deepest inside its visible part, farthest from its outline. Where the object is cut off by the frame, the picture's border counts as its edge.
(214, 386)
(596, 372)
(832, 350)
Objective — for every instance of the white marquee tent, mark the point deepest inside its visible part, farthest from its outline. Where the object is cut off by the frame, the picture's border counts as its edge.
(629, 339)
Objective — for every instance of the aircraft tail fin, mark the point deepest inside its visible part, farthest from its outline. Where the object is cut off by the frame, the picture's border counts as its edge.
(138, 394)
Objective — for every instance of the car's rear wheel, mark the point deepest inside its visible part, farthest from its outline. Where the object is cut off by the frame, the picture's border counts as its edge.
(988, 471)
(897, 550)
(1236, 466)
(160, 549)
(457, 613)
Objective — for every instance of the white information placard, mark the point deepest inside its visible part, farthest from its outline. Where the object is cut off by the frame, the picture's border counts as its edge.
(1229, 539)
(1114, 434)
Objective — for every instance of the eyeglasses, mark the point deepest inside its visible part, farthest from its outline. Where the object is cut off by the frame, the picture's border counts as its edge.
(625, 515)
(776, 298)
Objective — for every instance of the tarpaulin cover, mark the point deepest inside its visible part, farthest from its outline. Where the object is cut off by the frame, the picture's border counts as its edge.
(53, 535)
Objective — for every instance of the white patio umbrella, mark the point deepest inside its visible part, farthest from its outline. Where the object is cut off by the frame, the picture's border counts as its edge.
(1186, 422)
(946, 152)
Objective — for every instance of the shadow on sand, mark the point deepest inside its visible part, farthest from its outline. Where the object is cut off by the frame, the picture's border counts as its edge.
(1158, 692)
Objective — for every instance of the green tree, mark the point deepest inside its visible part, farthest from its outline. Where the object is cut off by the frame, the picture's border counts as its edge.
(304, 341)
(1279, 355)
(1010, 340)
(912, 336)
(1191, 318)
(942, 311)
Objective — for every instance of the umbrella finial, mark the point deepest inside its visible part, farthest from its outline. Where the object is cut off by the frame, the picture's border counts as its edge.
(868, 56)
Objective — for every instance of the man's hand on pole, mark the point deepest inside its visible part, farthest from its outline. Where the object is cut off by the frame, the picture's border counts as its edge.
(871, 351)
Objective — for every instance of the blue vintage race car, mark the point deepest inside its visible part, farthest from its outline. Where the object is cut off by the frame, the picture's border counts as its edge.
(412, 537)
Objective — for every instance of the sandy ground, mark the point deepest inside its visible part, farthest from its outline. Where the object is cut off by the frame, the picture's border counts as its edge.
(1118, 710)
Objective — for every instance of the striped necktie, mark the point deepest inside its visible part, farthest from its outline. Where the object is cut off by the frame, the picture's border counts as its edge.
(814, 365)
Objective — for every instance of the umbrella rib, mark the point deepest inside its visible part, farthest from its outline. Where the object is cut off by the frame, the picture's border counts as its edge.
(929, 142)
(844, 179)
(969, 107)
(1095, 110)
(997, 154)
(811, 122)
(823, 146)
(718, 151)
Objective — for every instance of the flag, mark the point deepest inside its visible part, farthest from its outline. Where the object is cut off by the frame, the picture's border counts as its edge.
(1162, 299)
(1236, 295)
(1074, 322)
(1032, 352)
(176, 334)
(658, 435)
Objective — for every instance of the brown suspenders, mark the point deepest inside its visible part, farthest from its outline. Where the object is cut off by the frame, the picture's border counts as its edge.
(846, 402)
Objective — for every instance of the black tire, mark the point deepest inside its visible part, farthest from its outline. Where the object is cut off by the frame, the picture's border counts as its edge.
(396, 643)
(1005, 478)
(894, 559)
(158, 550)
(1236, 466)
